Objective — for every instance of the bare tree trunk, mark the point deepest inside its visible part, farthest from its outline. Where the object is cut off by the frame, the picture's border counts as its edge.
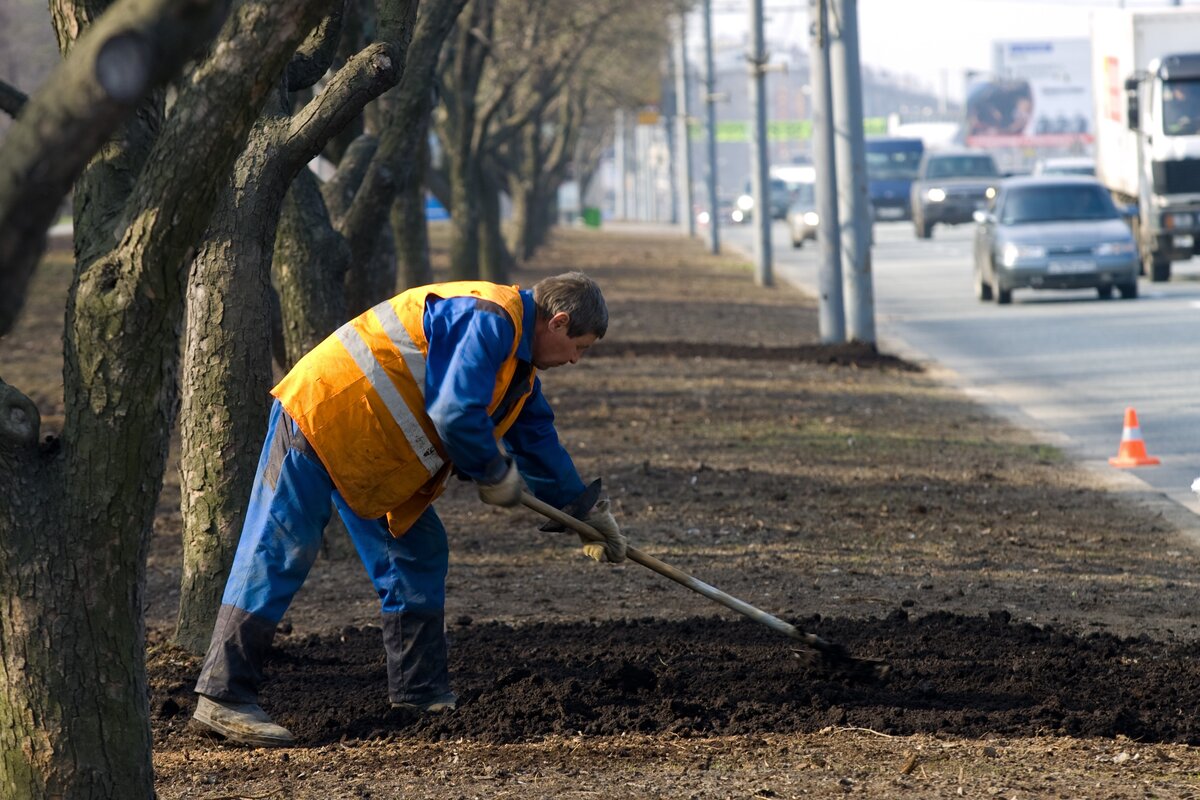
(409, 225)
(74, 716)
(495, 261)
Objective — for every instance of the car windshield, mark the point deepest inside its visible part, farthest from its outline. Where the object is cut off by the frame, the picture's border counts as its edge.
(1181, 108)
(804, 194)
(1068, 169)
(899, 165)
(961, 167)
(1027, 204)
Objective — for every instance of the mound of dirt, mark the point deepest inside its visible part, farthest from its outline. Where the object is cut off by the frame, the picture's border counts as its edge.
(968, 676)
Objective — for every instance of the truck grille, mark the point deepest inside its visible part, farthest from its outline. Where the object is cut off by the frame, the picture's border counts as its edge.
(1176, 177)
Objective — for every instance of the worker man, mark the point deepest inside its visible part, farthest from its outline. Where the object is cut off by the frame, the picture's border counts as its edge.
(438, 379)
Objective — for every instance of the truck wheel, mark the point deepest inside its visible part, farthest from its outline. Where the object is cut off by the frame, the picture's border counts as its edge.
(797, 243)
(1003, 296)
(924, 229)
(983, 289)
(1105, 292)
(1160, 270)
(1128, 290)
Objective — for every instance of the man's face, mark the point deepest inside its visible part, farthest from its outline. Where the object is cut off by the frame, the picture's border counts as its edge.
(552, 347)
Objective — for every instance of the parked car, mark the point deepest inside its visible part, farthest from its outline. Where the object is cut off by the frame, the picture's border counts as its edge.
(951, 185)
(1053, 232)
(1065, 165)
(802, 216)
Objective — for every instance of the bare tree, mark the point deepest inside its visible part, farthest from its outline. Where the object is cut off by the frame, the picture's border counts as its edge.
(227, 352)
(76, 512)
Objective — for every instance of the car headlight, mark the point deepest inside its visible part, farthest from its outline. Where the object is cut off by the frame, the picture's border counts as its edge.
(737, 215)
(702, 218)
(1115, 249)
(811, 219)
(990, 193)
(745, 202)
(936, 195)
(1012, 253)
(1180, 220)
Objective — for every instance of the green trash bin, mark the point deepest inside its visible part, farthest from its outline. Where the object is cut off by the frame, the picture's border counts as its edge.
(591, 217)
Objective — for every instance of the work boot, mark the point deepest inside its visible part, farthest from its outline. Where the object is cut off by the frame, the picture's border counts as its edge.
(443, 702)
(245, 723)
(418, 676)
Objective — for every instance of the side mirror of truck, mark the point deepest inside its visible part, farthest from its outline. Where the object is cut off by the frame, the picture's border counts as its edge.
(1132, 111)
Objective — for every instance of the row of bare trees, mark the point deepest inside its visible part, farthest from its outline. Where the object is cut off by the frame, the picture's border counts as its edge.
(204, 247)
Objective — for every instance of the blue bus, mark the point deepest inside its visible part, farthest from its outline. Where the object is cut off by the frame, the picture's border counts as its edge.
(891, 166)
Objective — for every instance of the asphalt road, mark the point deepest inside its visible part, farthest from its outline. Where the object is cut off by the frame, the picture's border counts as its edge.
(1062, 363)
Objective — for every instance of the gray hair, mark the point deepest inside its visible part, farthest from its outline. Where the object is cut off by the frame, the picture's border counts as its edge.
(579, 297)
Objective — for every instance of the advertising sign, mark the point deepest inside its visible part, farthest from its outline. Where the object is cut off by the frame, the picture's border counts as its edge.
(1039, 94)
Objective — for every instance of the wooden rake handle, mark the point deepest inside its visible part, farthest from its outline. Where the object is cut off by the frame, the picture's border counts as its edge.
(675, 574)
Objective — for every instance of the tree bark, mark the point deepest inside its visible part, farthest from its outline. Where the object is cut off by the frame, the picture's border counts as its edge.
(495, 260)
(74, 715)
(132, 49)
(409, 224)
(227, 354)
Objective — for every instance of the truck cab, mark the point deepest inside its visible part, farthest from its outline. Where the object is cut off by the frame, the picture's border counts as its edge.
(1164, 114)
(892, 164)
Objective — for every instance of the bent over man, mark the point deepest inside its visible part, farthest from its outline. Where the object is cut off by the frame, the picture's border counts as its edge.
(376, 418)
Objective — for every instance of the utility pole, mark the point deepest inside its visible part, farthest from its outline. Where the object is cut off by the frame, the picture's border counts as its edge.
(620, 201)
(683, 150)
(710, 102)
(759, 157)
(831, 320)
(854, 211)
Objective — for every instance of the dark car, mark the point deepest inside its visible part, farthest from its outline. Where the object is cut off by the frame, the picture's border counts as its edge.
(802, 216)
(778, 199)
(1053, 232)
(951, 185)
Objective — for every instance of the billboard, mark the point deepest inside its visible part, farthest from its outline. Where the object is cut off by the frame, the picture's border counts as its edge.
(1039, 94)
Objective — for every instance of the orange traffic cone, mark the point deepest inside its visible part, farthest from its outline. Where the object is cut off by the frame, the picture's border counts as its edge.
(1132, 452)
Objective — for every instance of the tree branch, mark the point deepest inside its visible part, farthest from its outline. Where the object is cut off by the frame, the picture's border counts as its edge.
(133, 47)
(12, 99)
(314, 56)
(360, 80)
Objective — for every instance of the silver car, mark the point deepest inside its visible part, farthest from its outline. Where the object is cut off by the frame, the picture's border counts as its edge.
(1053, 232)
(802, 216)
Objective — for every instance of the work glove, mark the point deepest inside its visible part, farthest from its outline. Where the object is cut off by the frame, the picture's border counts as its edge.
(501, 485)
(614, 544)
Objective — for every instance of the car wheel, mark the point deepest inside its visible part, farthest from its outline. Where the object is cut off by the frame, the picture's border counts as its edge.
(1105, 292)
(983, 289)
(1003, 296)
(924, 229)
(797, 241)
(1129, 290)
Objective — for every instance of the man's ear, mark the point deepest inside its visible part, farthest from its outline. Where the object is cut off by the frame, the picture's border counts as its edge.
(560, 321)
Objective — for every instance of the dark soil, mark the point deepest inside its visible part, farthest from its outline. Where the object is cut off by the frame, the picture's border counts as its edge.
(950, 675)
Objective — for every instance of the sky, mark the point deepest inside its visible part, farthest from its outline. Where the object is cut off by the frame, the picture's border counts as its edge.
(935, 41)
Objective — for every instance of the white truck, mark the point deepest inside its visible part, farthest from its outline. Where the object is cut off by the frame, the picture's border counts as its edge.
(1146, 91)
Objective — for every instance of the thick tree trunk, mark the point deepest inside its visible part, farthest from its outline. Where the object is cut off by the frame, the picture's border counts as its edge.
(227, 356)
(495, 261)
(225, 383)
(309, 268)
(409, 226)
(74, 547)
(464, 219)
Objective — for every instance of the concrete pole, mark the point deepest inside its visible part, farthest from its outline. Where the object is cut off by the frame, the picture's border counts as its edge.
(831, 320)
(620, 201)
(854, 210)
(670, 96)
(710, 102)
(759, 156)
(683, 150)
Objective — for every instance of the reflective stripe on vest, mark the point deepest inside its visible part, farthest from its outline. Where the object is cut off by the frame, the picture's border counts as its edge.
(382, 384)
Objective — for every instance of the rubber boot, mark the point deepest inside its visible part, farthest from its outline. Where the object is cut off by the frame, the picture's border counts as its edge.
(418, 676)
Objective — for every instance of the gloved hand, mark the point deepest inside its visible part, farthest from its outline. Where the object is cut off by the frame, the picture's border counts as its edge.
(613, 546)
(502, 485)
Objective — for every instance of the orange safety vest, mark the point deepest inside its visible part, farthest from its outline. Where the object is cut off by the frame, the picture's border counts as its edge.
(359, 399)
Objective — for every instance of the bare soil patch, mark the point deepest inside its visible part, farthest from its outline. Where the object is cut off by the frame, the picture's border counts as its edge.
(1042, 630)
